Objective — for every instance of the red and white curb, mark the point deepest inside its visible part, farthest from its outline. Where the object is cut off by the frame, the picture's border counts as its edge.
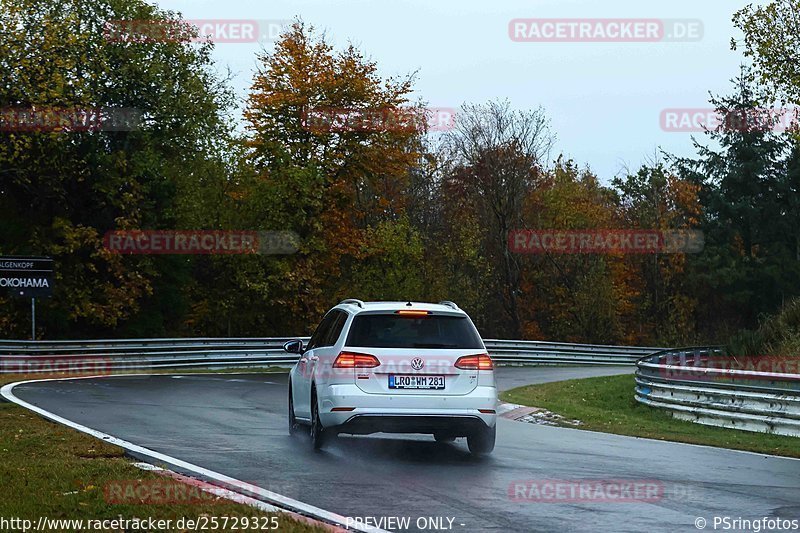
(534, 415)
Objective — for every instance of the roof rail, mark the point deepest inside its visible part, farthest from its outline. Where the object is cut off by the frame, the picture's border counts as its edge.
(448, 303)
(352, 301)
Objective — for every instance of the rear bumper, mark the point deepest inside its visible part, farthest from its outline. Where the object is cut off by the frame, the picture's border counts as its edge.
(407, 413)
(456, 426)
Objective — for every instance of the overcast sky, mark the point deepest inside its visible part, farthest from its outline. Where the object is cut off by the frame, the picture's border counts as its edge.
(604, 99)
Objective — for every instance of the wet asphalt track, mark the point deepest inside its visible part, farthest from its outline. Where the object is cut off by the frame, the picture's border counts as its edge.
(236, 425)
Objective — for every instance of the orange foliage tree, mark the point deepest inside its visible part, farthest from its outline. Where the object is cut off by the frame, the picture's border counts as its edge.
(331, 145)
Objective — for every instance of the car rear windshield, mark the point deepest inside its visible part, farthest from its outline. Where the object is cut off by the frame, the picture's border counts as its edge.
(397, 331)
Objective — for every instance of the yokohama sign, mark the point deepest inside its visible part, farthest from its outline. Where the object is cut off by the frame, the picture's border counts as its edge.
(26, 276)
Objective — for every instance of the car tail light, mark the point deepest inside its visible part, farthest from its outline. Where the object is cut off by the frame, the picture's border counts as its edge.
(475, 362)
(355, 360)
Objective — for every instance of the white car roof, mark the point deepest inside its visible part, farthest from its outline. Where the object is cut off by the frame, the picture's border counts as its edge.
(353, 305)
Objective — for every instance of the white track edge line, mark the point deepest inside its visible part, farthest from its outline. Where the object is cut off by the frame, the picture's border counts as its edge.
(272, 497)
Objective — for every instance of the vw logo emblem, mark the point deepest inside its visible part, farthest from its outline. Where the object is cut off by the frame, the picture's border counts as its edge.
(417, 363)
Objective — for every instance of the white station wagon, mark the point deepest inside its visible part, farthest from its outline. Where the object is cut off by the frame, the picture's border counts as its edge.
(394, 367)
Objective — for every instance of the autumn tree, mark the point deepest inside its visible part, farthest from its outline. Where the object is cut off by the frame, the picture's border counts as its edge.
(331, 146)
(573, 296)
(62, 189)
(772, 41)
(494, 156)
(664, 298)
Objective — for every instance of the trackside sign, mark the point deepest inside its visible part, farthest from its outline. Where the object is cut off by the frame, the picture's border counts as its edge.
(27, 277)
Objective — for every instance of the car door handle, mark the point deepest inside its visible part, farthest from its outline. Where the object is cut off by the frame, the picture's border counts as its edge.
(302, 360)
(314, 358)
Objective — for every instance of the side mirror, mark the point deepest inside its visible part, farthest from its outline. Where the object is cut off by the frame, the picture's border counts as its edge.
(293, 346)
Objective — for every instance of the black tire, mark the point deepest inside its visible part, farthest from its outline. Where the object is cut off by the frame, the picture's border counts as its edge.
(318, 433)
(482, 441)
(443, 437)
(292, 418)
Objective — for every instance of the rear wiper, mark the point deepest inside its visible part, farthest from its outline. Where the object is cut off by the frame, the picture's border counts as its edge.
(433, 345)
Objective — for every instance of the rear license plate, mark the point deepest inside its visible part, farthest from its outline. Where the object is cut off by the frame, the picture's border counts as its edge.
(416, 382)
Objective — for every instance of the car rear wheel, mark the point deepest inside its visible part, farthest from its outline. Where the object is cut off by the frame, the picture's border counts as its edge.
(443, 437)
(482, 441)
(318, 433)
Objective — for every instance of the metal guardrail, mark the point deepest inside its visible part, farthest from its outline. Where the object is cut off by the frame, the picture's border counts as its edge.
(137, 354)
(107, 356)
(708, 386)
(527, 352)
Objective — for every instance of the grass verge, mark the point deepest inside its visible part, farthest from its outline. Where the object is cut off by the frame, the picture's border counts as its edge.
(54, 471)
(606, 404)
